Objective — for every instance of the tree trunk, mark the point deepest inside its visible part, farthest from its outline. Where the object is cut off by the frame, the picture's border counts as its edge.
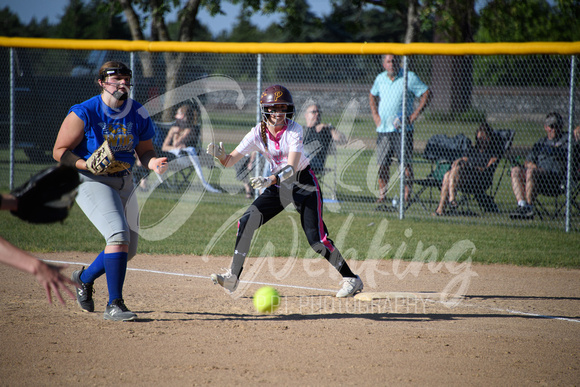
(412, 20)
(137, 34)
(174, 62)
(453, 75)
(158, 26)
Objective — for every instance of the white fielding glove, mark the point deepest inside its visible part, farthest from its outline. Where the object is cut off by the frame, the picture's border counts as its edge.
(216, 151)
(259, 182)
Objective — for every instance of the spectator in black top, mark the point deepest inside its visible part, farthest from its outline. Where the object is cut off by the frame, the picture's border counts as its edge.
(472, 173)
(544, 169)
(319, 138)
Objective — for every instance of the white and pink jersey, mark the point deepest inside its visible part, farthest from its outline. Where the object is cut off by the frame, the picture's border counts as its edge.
(287, 140)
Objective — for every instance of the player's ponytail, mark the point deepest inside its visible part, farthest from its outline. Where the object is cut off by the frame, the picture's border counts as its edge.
(264, 134)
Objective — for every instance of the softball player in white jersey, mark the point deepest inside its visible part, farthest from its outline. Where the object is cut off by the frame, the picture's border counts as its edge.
(279, 140)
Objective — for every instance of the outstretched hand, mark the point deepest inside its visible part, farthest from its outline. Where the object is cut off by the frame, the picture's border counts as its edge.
(52, 280)
(216, 151)
(159, 165)
(259, 182)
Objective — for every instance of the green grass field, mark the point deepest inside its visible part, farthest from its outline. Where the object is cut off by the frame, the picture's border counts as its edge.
(211, 230)
(356, 227)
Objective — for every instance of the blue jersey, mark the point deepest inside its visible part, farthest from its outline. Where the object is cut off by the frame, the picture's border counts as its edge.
(123, 128)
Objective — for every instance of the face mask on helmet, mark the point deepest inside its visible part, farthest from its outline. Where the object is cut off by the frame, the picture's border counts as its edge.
(268, 111)
(121, 95)
(273, 97)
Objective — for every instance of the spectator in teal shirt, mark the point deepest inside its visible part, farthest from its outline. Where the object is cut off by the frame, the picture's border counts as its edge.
(386, 102)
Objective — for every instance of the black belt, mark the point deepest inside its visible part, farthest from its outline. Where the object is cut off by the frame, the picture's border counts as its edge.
(120, 174)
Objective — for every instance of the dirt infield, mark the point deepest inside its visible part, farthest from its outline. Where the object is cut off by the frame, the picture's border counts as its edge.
(515, 326)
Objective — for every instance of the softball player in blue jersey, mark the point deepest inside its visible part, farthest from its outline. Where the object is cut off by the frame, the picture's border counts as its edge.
(279, 140)
(125, 124)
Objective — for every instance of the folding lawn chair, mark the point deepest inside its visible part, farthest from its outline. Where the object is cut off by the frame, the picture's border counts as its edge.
(558, 206)
(440, 151)
(431, 183)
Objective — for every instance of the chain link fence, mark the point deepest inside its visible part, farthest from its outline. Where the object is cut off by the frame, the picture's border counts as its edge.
(512, 94)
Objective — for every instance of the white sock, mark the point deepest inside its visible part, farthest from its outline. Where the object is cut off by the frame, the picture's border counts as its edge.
(522, 203)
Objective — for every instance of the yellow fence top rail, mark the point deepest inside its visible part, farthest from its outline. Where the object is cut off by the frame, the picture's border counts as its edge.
(528, 48)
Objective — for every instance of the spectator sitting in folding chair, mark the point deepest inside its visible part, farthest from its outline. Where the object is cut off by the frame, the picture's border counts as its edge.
(545, 167)
(182, 139)
(473, 172)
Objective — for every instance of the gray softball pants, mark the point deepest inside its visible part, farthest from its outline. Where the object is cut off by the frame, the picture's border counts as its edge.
(105, 201)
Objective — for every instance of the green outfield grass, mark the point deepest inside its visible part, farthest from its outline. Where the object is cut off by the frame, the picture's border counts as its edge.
(355, 227)
(357, 235)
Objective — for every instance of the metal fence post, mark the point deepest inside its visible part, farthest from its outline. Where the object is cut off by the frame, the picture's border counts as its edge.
(258, 159)
(570, 141)
(132, 67)
(402, 160)
(12, 119)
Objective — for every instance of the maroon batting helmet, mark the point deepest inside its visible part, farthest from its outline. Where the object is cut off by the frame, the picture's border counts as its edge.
(276, 95)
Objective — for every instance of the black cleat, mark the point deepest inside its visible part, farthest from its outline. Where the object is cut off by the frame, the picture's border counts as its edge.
(84, 292)
(524, 213)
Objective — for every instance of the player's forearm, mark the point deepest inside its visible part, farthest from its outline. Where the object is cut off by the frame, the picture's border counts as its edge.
(8, 203)
(148, 157)
(67, 157)
(17, 258)
(231, 159)
(227, 161)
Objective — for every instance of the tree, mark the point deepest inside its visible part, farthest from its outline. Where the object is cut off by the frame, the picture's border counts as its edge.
(298, 25)
(10, 25)
(243, 30)
(156, 11)
(79, 22)
(524, 21)
(350, 22)
(566, 21)
(408, 10)
(452, 21)
(41, 29)
(530, 20)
